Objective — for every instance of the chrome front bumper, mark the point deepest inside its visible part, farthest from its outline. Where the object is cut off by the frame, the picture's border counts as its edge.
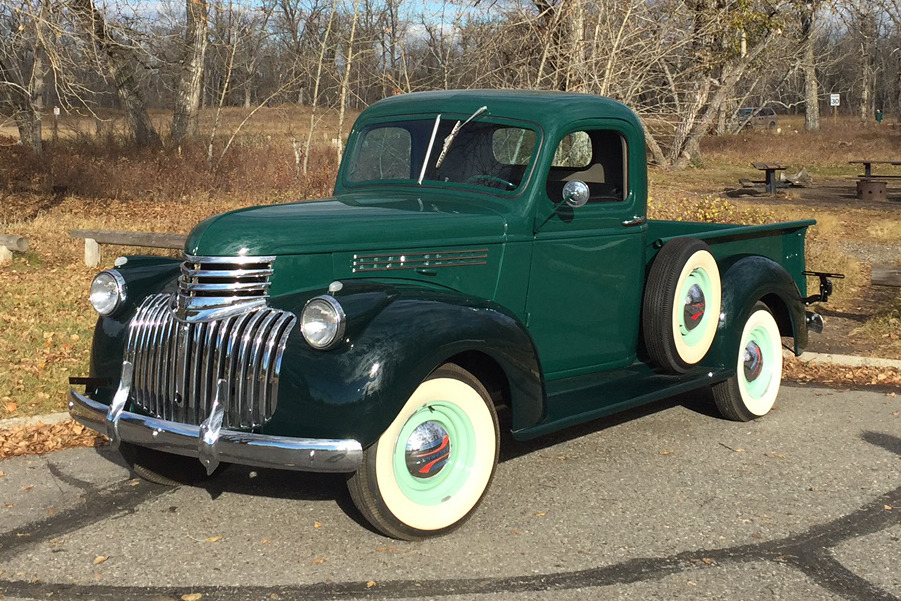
(208, 441)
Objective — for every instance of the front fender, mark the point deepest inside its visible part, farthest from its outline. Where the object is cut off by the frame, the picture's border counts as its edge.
(143, 276)
(395, 338)
(748, 280)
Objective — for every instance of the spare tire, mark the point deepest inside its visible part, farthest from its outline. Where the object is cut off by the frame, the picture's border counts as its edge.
(681, 306)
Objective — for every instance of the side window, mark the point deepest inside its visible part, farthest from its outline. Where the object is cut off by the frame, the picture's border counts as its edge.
(384, 153)
(596, 157)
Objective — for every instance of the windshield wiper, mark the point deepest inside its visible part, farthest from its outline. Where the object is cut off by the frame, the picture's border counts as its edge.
(428, 152)
(450, 137)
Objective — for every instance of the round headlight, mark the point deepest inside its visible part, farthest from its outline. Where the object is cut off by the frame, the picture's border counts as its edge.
(322, 322)
(107, 292)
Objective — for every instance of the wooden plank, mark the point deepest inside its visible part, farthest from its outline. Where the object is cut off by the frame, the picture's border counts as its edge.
(16, 243)
(886, 275)
(148, 239)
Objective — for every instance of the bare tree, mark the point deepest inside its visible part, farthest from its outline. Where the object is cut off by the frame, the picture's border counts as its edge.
(189, 88)
(120, 59)
(809, 10)
(23, 60)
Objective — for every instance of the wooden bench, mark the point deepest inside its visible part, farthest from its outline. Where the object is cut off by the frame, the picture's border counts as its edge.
(886, 275)
(94, 238)
(10, 244)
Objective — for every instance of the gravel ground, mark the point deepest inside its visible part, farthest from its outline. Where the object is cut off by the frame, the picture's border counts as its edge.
(873, 253)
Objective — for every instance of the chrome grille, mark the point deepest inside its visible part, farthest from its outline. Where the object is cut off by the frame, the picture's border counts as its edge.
(215, 287)
(177, 364)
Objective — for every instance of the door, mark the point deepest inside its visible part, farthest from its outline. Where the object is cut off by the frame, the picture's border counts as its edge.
(587, 276)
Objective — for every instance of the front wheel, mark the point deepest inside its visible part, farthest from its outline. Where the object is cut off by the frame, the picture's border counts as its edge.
(751, 392)
(430, 469)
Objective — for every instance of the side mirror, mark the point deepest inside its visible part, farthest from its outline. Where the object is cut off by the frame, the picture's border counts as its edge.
(576, 193)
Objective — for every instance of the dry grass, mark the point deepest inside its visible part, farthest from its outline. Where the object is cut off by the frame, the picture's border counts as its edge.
(825, 152)
(87, 182)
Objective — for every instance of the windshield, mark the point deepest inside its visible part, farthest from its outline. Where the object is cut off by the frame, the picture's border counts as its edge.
(489, 155)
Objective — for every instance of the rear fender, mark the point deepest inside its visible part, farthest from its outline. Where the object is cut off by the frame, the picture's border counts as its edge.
(748, 280)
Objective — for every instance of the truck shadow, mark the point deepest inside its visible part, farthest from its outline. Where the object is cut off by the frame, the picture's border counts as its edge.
(699, 401)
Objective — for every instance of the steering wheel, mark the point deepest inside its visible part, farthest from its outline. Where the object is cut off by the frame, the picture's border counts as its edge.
(491, 179)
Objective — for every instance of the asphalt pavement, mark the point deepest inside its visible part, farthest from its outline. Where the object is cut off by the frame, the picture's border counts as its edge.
(664, 502)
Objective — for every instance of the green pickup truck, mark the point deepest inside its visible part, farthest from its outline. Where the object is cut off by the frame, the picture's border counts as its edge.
(483, 251)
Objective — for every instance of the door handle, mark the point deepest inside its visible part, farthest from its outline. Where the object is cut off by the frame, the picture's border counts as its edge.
(636, 220)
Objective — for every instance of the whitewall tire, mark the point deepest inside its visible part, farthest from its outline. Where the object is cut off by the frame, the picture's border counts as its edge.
(432, 466)
(681, 306)
(752, 391)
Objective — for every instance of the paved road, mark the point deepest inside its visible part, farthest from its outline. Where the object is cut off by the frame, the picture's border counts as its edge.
(668, 502)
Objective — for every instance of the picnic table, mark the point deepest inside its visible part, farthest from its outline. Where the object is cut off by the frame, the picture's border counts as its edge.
(770, 179)
(873, 186)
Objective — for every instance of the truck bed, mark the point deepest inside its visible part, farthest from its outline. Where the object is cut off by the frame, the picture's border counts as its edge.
(781, 242)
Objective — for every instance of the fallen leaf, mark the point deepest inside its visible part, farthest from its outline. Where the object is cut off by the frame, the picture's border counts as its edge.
(27, 487)
(319, 561)
(134, 482)
(213, 539)
(11, 407)
(371, 584)
(100, 559)
(666, 452)
(2, 474)
(386, 549)
(707, 560)
(887, 507)
(540, 514)
(191, 597)
(317, 525)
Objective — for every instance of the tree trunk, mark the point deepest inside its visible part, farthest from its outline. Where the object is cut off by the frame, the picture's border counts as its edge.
(811, 87)
(345, 82)
(121, 65)
(190, 82)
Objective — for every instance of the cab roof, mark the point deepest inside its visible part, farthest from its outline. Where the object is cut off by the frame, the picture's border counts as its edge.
(550, 109)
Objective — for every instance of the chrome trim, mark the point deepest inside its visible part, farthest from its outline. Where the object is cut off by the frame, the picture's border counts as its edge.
(121, 293)
(419, 260)
(260, 450)
(815, 322)
(211, 288)
(636, 220)
(342, 321)
(118, 405)
(177, 365)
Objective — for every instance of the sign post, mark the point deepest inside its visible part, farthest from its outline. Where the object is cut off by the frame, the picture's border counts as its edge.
(835, 101)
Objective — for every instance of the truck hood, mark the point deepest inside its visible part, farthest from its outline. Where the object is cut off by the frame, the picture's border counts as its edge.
(345, 223)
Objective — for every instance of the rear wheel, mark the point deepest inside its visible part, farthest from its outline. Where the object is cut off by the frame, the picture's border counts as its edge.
(430, 469)
(752, 391)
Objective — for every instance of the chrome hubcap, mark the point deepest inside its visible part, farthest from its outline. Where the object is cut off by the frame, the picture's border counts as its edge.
(427, 450)
(694, 307)
(753, 361)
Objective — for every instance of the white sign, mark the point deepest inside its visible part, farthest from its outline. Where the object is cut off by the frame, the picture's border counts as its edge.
(835, 100)
(56, 111)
